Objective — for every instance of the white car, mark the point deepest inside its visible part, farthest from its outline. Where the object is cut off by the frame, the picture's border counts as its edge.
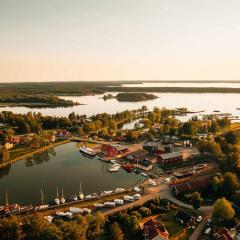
(199, 218)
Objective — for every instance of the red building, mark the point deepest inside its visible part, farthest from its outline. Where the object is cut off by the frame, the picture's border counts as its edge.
(113, 150)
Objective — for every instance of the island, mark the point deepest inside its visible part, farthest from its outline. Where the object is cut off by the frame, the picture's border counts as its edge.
(134, 97)
(25, 100)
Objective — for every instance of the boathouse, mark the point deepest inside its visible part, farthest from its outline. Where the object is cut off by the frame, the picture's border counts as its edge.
(109, 150)
(137, 155)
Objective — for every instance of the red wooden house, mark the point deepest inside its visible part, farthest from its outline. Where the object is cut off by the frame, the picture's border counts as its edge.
(109, 150)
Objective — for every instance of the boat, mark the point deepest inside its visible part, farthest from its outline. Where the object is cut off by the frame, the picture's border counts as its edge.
(136, 171)
(74, 198)
(137, 189)
(113, 161)
(144, 174)
(57, 200)
(128, 167)
(63, 200)
(114, 168)
(80, 194)
(119, 190)
(75, 210)
(87, 151)
(98, 205)
(42, 206)
(152, 182)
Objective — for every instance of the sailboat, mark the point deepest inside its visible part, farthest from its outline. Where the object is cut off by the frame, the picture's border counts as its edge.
(42, 206)
(57, 200)
(62, 198)
(88, 151)
(81, 195)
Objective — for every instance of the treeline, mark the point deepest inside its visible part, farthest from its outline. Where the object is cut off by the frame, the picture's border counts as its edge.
(134, 97)
(34, 100)
(122, 225)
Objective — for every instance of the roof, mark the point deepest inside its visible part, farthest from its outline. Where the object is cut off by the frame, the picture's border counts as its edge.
(170, 155)
(222, 234)
(154, 228)
(120, 147)
(138, 153)
(153, 144)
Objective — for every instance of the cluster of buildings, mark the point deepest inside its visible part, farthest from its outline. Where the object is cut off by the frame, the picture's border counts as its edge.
(150, 153)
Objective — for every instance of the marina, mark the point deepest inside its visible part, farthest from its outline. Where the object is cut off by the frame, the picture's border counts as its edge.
(63, 167)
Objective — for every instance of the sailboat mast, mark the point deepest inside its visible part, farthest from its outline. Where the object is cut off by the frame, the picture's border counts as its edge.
(62, 192)
(42, 196)
(6, 199)
(57, 193)
(80, 187)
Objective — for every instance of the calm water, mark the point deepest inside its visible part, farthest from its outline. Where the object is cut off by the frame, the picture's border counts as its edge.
(63, 167)
(184, 84)
(193, 101)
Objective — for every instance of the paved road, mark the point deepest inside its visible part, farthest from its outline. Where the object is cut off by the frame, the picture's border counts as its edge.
(196, 234)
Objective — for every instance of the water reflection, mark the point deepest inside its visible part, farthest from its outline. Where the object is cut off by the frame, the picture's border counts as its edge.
(5, 171)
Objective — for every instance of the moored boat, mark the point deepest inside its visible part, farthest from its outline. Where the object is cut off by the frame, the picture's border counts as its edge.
(98, 205)
(63, 200)
(114, 168)
(119, 190)
(87, 151)
(57, 200)
(128, 167)
(80, 194)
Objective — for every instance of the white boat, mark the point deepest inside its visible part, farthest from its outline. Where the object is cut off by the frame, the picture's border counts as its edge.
(63, 200)
(75, 210)
(57, 200)
(114, 168)
(118, 201)
(110, 204)
(136, 196)
(128, 198)
(119, 190)
(90, 196)
(113, 161)
(98, 205)
(75, 198)
(137, 189)
(107, 192)
(87, 151)
(42, 206)
(80, 194)
(152, 182)
(144, 174)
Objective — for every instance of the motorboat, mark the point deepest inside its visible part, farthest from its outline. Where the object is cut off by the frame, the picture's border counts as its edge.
(128, 167)
(65, 214)
(136, 196)
(48, 218)
(114, 168)
(128, 198)
(87, 210)
(144, 174)
(113, 161)
(87, 151)
(75, 198)
(107, 192)
(119, 190)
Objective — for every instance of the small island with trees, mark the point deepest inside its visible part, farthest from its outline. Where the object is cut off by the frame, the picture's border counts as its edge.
(130, 97)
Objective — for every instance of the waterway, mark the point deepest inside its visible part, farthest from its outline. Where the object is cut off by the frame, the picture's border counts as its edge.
(62, 167)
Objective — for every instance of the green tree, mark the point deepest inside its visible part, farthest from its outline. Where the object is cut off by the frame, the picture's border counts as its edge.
(10, 228)
(230, 183)
(196, 200)
(223, 210)
(4, 155)
(115, 232)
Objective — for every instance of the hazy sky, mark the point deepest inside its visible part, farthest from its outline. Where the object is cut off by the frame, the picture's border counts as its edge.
(55, 40)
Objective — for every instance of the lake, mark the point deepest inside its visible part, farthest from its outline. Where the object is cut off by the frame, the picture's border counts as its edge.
(62, 167)
(209, 102)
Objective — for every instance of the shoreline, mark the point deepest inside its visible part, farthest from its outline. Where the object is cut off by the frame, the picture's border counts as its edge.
(40, 150)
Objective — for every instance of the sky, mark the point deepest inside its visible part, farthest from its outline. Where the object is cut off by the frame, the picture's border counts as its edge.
(74, 40)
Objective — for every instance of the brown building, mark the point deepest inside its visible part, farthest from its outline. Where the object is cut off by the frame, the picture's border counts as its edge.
(168, 158)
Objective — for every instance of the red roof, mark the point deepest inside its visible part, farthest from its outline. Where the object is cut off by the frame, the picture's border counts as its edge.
(154, 228)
